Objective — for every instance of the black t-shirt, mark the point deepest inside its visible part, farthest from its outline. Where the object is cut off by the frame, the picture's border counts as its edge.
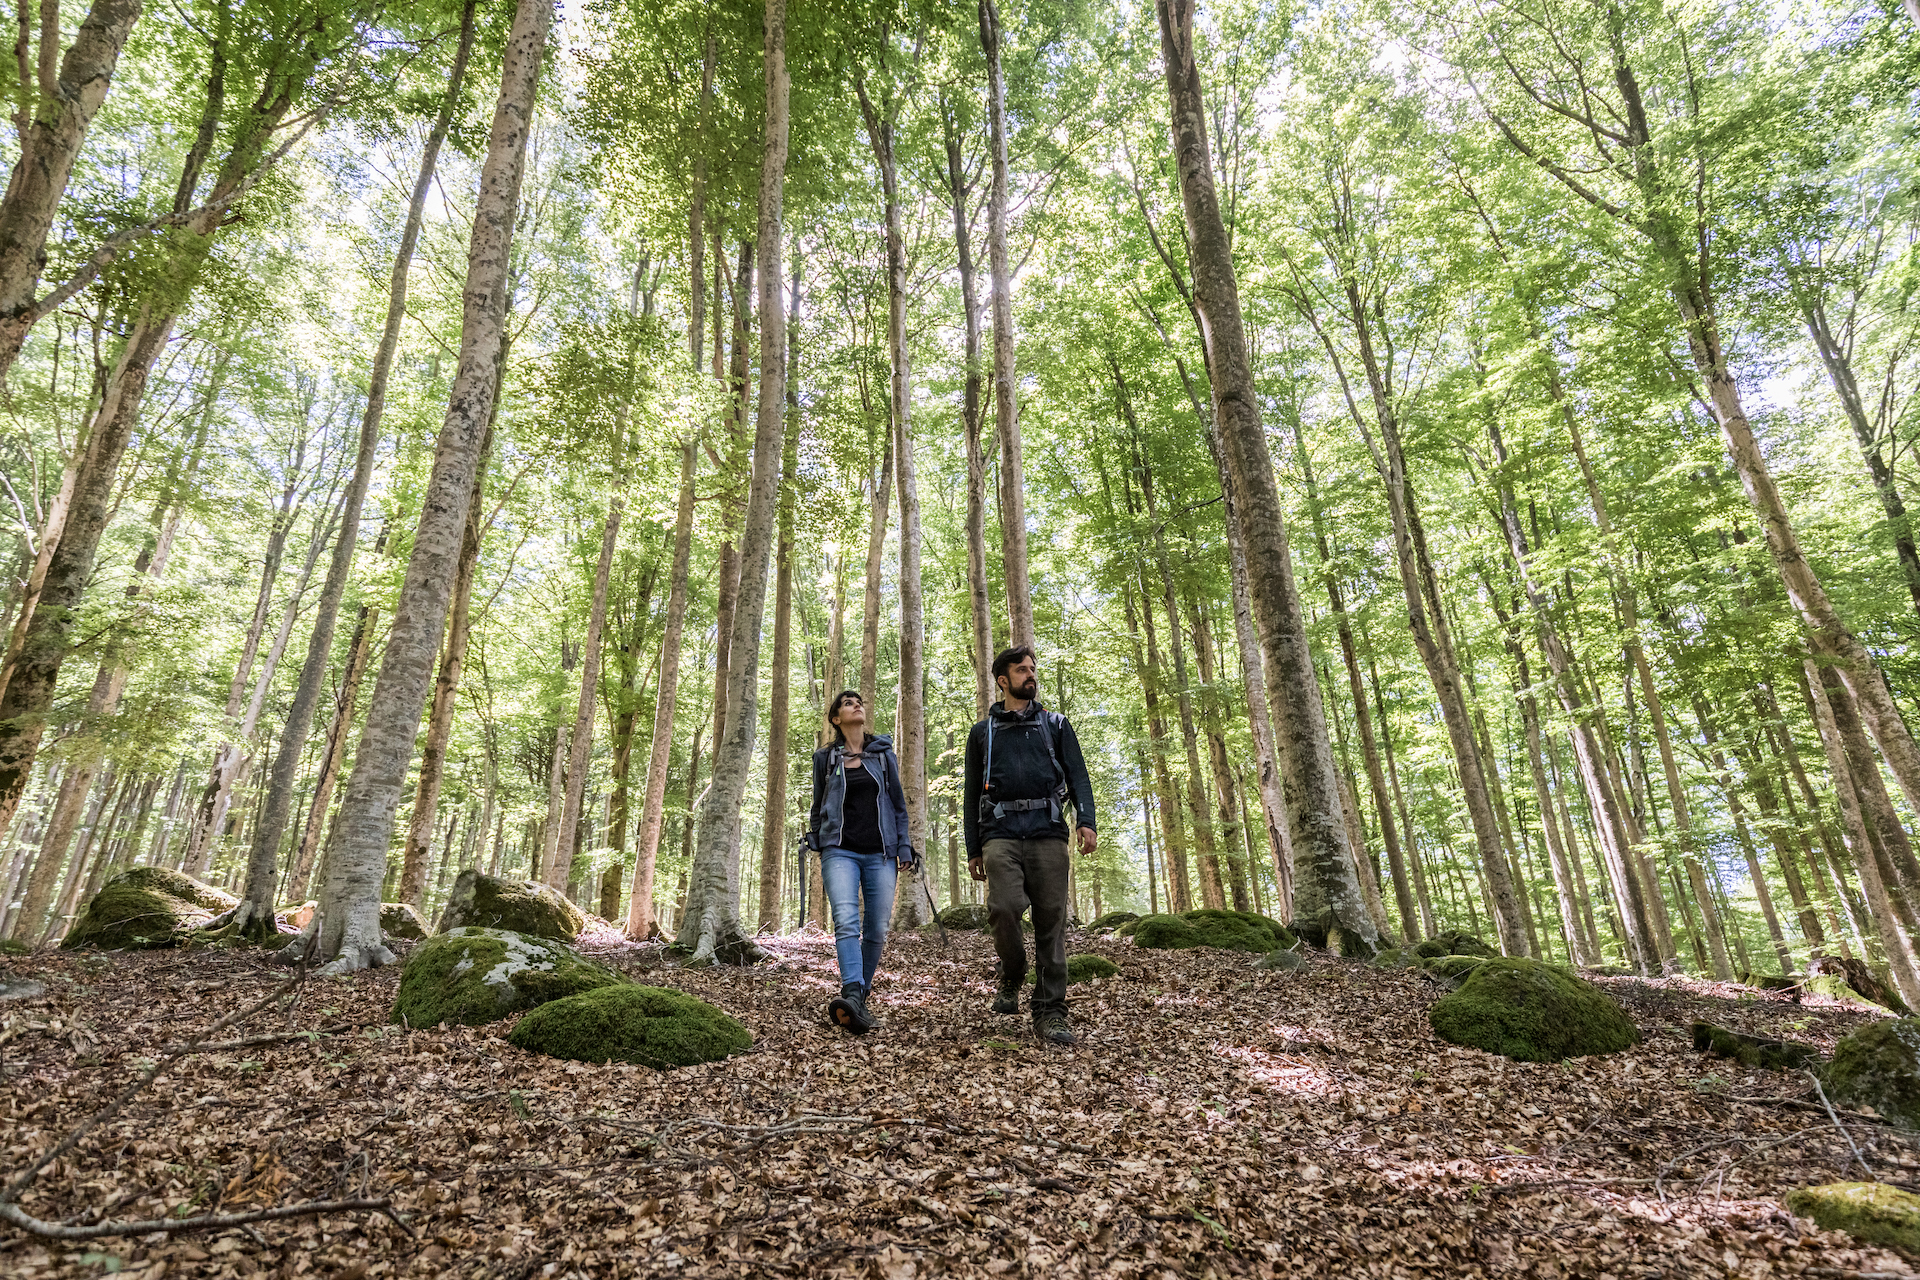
(860, 814)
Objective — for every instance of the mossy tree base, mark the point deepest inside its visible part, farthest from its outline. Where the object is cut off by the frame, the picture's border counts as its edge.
(1531, 1012)
(647, 1026)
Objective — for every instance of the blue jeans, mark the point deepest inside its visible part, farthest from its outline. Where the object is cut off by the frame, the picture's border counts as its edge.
(849, 877)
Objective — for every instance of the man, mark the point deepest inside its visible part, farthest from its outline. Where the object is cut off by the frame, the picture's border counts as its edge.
(1023, 767)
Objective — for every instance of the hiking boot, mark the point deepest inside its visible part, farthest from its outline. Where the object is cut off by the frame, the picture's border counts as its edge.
(1006, 999)
(849, 1009)
(1054, 1030)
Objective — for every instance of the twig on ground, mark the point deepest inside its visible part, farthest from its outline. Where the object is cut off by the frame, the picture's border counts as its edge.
(12, 1213)
(1819, 1089)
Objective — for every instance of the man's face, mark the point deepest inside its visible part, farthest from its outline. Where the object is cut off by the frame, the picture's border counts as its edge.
(1021, 680)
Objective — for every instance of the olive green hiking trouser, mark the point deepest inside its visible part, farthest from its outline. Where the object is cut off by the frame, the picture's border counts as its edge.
(1022, 874)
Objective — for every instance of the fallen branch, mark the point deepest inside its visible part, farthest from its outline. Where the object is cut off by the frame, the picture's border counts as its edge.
(61, 1231)
(12, 1213)
(1845, 1136)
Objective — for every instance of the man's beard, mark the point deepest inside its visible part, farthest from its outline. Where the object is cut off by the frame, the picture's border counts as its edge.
(1027, 691)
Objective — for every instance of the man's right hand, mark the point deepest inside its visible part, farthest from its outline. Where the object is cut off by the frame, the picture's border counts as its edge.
(977, 868)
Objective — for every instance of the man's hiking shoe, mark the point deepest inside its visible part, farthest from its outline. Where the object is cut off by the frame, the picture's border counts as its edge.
(849, 1009)
(1055, 1031)
(1006, 999)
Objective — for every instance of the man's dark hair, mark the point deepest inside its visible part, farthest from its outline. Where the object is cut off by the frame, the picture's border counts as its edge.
(1007, 657)
(833, 709)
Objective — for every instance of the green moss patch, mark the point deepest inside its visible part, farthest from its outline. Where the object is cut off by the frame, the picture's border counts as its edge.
(648, 1026)
(1451, 971)
(1531, 1012)
(1870, 1212)
(1211, 927)
(1752, 1051)
(146, 907)
(1394, 958)
(1282, 959)
(480, 975)
(1879, 1066)
(966, 915)
(1114, 919)
(519, 906)
(1454, 942)
(1851, 982)
(1083, 968)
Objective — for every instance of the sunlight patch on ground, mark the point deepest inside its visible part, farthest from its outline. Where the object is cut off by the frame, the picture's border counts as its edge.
(1280, 1073)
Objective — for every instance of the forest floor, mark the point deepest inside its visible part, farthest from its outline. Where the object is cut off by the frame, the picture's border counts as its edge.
(1214, 1121)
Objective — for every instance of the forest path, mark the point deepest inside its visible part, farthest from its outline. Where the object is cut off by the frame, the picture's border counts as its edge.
(1214, 1121)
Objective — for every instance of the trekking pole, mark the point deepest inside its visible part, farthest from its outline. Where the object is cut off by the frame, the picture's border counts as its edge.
(933, 907)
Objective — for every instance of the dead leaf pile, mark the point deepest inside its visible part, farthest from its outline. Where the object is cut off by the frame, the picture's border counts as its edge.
(1214, 1121)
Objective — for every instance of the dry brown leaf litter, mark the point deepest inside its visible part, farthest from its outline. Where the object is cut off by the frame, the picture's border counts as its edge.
(1214, 1121)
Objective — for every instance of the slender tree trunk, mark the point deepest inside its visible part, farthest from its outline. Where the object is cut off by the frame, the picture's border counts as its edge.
(1856, 778)
(1173, 837)
(1225, 792)
(979, 595)
(640, 922)
(1013, 493)
(710, 927)
(580, 742)
(729, 586)
(446, 688)
(773, 832)
(870, 599)
(349, 915)
(52, 131)
(359, 653)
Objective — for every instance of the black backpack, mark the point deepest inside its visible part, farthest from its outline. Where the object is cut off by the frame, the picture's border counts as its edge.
(1055, 803)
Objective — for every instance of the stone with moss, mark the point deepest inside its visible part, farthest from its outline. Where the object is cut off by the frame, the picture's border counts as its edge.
(1752, 1051)
(1879, 1066)
(1450, 971)
(965, 915)
(1394, 958)
(1531, 1012)
(520, 906)
(147, 907)
(1454, 942)
(648, 1026)
(1870, 1212)
(1080, 969)
(1113, 920)
(475, 975)
(1212, 927)
(400, 920)
(1282, 959)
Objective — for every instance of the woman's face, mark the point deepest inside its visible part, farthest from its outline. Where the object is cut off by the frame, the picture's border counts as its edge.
(850, 715)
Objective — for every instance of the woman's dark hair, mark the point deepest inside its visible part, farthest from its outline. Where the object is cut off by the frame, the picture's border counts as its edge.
(833, 709)
(1007, 657)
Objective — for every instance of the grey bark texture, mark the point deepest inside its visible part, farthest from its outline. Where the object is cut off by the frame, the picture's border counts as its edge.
(1328, 907)
(349, 916)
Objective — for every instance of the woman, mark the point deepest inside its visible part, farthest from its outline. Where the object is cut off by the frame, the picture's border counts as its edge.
(858, 822)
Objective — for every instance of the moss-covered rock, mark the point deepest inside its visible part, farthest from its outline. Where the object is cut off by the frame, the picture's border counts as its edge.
(1770, 982)
(1531, 1012)
(1082, 968)
(1870, 1212)
(649, 1026)
(965, 915)
(1879, 1066)
(1450, 971)
(476, 975)
(1114, 919)
(146, 907)
(1454, 942)
(519, 906)
(1752, 1051)
(1211, 927)
(1394, 958)
(400, 920)
(1281, 959)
